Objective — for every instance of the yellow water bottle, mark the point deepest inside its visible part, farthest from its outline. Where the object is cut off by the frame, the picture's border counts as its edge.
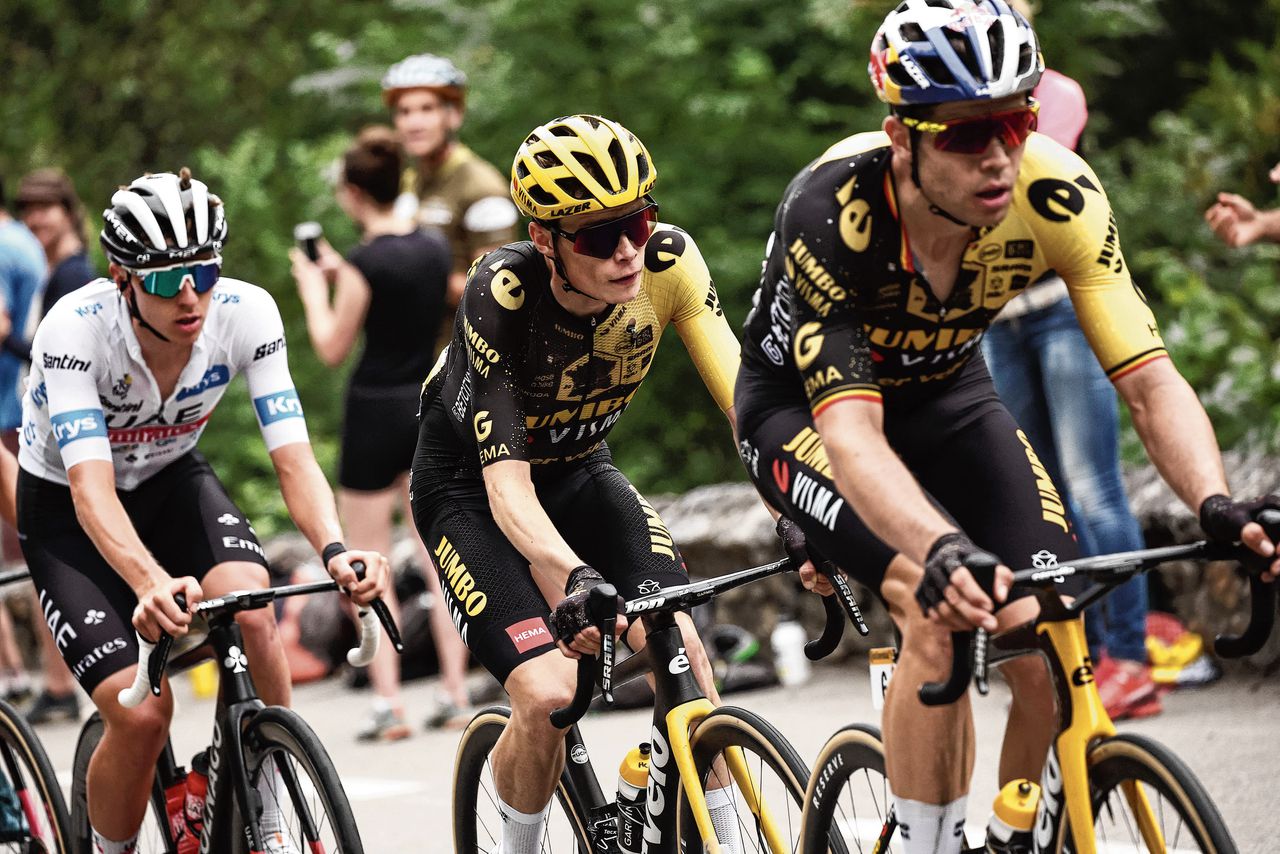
(1013, 816)
(633, 783)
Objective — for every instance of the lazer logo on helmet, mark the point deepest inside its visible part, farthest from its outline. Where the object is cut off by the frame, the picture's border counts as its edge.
(77, 424)
(214, 377)
(569, 211)
(277, 407)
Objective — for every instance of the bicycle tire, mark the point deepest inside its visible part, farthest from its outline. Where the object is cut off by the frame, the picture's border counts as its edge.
(282, 734)
(476, 820)
(779, 777)
(153, 836)
(27, 827)
(1132, 758)
(848, 798)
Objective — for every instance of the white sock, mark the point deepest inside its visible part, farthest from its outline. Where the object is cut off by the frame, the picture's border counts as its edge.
(271, 790)
(930, 828)
(521, 831)
(102, 845)
(724, 817)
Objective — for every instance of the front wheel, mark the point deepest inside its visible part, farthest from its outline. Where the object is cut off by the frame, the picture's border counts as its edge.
(302, 798)
(153, 836)
(743, 762)
(1146, 799)
(477, 820)
(848, 800)
(33, 815)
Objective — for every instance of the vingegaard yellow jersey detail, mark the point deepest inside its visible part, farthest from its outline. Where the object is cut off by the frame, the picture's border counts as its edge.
(554, 384)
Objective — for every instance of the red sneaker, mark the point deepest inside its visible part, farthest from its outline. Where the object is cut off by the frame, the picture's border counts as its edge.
(1128, 693)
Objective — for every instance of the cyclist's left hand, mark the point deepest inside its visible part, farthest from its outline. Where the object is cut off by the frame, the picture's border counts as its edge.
(1226, 520)
(574, 632)
(377, 573)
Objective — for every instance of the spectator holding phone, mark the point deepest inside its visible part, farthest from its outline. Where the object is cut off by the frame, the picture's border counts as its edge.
(392, 286)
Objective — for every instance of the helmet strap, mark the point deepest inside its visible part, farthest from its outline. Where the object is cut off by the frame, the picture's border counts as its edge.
(131, 299)
(560, 271)
(915, 179)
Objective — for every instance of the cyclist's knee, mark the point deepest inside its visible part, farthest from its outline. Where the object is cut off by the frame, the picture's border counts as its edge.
(540, 686)
(146, 726)
(1029, 683)
(258, 626)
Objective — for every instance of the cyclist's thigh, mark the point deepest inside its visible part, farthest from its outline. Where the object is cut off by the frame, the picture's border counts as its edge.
(87, 606)
(189, 522)
(610, 525)
(787, 462)
(987, 474)
(488, 589)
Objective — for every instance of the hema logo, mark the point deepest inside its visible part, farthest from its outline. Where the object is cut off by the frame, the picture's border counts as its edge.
(276, 407)
(78, 424)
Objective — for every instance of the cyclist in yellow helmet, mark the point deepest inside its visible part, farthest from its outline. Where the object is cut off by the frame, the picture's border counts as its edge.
(514, 490)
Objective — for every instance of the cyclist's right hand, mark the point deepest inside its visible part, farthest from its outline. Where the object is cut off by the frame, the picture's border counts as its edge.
(949, 593)
(1227, 520)
(571, 625)
(157, 611)
(793, 541)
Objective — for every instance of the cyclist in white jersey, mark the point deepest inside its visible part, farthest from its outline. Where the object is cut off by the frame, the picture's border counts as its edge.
(118, 511)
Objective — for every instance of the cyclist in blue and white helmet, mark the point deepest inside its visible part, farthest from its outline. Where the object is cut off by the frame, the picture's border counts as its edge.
(982, 54)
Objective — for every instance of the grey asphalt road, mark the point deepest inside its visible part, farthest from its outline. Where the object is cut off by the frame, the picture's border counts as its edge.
(1229, 733)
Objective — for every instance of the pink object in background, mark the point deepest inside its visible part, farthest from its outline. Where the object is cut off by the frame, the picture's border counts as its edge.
(1063, 111)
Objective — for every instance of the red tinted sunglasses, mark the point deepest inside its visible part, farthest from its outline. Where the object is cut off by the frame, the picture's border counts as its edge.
(972, 135)
(601, 241)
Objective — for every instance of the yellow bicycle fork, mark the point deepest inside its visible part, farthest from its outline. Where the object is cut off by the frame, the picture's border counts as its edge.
(680, 723)
(1089, 722)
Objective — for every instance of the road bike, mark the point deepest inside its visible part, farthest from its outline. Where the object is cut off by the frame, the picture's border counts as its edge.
(33, 814)
(695, 746)
(1099, 791)
(249, 740)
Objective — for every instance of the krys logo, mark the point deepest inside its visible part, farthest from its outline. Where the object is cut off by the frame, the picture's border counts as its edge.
(77, 424)
(277, 407)
(214, 377)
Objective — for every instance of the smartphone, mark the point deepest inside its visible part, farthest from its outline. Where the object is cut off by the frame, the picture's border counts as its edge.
(306, 234)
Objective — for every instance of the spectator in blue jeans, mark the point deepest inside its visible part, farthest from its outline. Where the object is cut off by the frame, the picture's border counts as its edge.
(1049, 379)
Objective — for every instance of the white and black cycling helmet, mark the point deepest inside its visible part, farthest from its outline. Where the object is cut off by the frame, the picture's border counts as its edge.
(425, 71)
(163, 219)
(935, 51)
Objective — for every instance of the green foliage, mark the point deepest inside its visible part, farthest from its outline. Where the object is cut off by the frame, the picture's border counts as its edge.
(733, 97)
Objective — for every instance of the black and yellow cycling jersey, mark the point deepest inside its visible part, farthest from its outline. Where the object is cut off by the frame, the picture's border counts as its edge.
(842, 305)
(523, 379)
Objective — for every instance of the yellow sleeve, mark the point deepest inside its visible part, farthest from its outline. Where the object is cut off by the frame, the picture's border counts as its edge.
(684, 294)
(1077, 229)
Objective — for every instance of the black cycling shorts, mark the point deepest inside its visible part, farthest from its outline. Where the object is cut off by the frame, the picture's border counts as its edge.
(495, 604)
(184, 517)
(379, 432)
(964, 449)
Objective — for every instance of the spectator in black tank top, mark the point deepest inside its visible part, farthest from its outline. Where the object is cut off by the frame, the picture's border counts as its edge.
(393, 287)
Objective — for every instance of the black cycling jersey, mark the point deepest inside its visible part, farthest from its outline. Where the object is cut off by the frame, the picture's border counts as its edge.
(408, 275)
(523, 379)
(842, 311)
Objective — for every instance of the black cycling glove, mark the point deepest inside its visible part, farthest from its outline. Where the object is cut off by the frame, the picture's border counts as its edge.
(947, 554)
(793, 541)
(1222, 517)
(570, 616)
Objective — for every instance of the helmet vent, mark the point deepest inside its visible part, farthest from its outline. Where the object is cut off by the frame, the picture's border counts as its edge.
(574, 188)
(912, 32)
(995, 36)
(1026, 57)
(620, 165)
(591, 167)
(936, 69)
(899, 75)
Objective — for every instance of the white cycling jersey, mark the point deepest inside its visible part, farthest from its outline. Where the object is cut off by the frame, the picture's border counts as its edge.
(91, 396)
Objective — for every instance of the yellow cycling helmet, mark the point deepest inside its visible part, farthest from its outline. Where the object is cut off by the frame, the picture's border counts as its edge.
(579, 164)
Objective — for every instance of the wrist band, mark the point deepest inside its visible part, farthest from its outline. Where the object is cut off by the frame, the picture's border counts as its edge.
(573, 577)
(330, 552)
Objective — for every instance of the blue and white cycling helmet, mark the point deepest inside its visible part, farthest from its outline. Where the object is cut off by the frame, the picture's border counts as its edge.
(935, 51)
